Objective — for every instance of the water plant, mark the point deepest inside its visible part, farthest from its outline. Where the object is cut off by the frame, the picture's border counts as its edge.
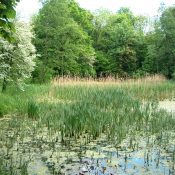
(32, 109)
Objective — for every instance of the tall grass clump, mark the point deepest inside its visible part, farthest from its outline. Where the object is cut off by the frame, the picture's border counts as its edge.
(32, 109)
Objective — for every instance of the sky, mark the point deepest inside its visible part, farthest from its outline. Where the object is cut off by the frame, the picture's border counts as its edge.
(26, 8)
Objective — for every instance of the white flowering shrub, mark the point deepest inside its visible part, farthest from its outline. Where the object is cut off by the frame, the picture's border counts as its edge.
(17, 60)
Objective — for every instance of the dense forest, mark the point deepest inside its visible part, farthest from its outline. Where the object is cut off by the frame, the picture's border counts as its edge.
(64, 39)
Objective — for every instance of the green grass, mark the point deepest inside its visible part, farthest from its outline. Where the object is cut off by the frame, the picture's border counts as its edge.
(15, 102)
(151, 90)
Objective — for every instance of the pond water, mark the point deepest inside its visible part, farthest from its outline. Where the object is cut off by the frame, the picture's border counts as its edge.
(167, 105)
(26, 150)
(42, 155)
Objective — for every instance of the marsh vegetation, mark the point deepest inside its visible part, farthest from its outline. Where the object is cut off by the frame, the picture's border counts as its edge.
(88, 128)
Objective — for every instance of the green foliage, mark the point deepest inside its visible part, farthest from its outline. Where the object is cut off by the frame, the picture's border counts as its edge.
(161, 41)
(7, 12)
(167, 51)
(1, 112)
(173, 76)
(139, 74)
(120, 38)
(150, 61)
(17, 59)
(83, 17)
(63, 44)
(72, 41)
(102, 64)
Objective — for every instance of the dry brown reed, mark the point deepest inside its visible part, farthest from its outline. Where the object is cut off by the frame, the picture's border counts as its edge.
(67, 80)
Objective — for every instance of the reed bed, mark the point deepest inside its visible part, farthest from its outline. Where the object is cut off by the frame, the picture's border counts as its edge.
(67, 80)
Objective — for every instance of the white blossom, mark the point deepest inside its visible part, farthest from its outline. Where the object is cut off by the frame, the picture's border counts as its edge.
(17, 60)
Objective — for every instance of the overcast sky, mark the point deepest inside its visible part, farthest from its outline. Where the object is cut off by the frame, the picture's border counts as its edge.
(26, 8)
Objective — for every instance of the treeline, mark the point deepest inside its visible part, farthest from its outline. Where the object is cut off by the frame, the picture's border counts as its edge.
(73, 41)
(70, 40)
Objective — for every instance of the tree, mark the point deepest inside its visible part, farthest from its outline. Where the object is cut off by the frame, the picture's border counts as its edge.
(7, 12)
(123, 39)
(161, 41)
(83, 17)
(100, 42)
(120, 37)
(17, 59)
(64, 46)
(149, 65)
(167, 47)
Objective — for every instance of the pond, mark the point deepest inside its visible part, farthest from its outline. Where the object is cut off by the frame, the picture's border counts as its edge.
(39, 152)
(167, 105)
(100, 131)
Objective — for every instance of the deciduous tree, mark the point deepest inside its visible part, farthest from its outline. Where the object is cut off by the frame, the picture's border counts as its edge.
(17, 59)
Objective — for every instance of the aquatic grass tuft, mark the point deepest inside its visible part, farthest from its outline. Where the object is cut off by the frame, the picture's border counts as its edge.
(32, 109)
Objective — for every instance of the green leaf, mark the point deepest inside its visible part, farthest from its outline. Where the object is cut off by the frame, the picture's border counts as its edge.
(11, 13)
(3, 23)
(2, 6)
